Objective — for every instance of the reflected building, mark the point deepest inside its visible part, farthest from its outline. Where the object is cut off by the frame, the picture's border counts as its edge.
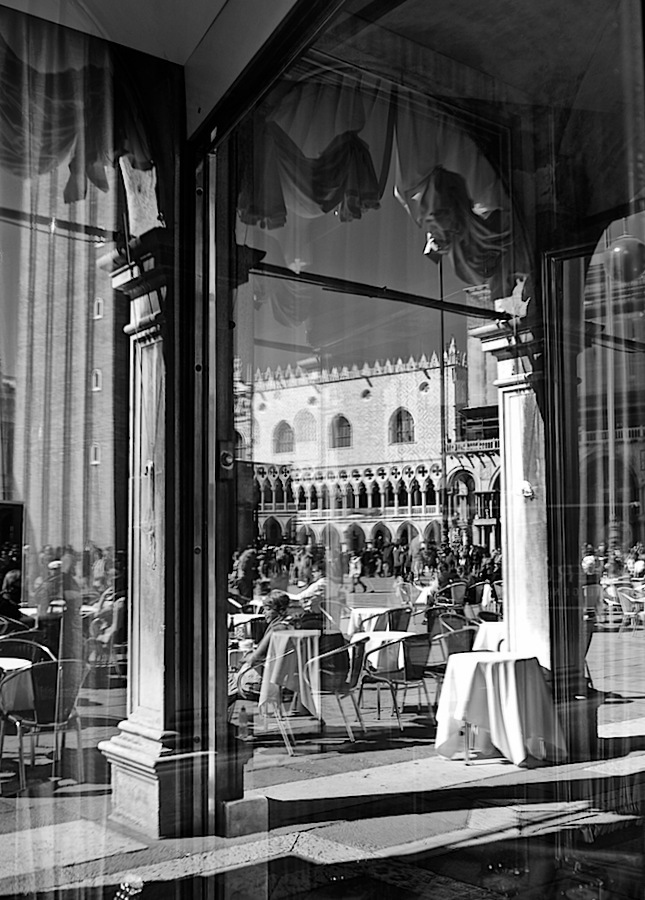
(352, 455)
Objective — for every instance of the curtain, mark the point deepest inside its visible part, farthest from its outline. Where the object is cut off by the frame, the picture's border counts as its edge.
(325, 145)
(64, 101)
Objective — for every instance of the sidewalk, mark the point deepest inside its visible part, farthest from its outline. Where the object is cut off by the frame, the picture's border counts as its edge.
(407, 812)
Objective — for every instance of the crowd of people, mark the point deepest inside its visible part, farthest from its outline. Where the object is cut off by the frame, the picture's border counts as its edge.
(602, 561)
(418, 562)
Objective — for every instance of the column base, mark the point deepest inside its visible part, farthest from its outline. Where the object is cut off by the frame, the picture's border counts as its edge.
(156, 790)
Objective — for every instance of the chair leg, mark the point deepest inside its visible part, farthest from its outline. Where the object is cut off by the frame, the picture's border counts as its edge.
(396, 706)
(350, 733)
(80, 762)
(2, 727)
(21, 758)
(287, 737)
(359, 717)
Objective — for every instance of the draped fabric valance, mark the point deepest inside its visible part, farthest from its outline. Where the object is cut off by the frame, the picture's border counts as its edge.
(317, 146)
(63, 101)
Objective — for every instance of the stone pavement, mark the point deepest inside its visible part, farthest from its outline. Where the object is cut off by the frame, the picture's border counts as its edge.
(382, 817)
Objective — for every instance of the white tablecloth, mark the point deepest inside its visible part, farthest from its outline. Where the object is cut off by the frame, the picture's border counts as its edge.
(506, 697)
(388, 659)
(288, 653)
(489, 635)
(360, 619)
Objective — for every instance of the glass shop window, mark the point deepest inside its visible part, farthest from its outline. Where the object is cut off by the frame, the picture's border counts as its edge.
(421, 175)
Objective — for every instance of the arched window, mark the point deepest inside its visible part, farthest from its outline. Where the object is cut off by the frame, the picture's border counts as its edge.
(283, 439)
(97, 380)
(341, 432)
(95, 455)
(98, 307)
(401, 427)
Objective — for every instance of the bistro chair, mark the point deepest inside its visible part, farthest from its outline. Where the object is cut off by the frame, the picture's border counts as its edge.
(341, 684)
(38, 635)
(395, 619)
(632, 606)
(449, 642)
(413, 655)
(453, 593)
(10, 626)
(19, 648)
(55, 686)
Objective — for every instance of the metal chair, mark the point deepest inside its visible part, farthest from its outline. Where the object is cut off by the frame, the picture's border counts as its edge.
(395, 619)
(341, 685)
(451, 641)
(54, 688)
(19, 648)
(10, 626)
(632, 610)
(453, 593)
(414, 651)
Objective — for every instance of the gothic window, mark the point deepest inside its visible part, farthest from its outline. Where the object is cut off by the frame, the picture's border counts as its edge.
(283, 438)
(341, 432)
(401, 427)
(97, 380)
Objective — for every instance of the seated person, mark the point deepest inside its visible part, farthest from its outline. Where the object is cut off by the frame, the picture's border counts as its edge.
(247, 682)
(10, 599)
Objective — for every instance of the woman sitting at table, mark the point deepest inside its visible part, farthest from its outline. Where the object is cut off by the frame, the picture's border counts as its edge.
(247, 682)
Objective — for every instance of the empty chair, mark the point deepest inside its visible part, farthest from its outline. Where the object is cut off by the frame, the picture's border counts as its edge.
(631, 604)
(449, 642)
(341, 681)
(55, 687)
(409, 672)
(9, 626)
(395, 619)
(453, 593)
(452, 621)
(18, 648)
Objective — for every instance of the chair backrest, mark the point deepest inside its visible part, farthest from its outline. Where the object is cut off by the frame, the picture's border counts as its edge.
(56, 686)
(257, 628)
(38, 635)
(416, 655)
(20, 649)
(460, 641)
(9, 625)
(399, 618)
(356, 657)
(476, 591)
(626, 600)
(452, 621)
(458, 591)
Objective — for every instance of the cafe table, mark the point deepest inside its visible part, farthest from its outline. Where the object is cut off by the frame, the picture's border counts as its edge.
(363, 619)
(505, 698)
(489, 636)
(284, 668)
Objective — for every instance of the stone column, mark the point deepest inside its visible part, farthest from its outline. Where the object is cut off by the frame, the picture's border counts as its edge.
(156, 761)
(523, 499)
